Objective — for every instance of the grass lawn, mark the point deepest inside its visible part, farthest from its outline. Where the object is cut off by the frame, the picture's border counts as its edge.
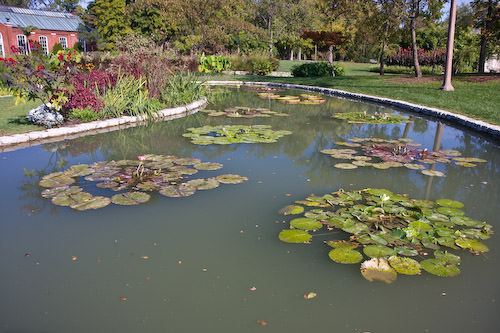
(13, 117)
(480, 100)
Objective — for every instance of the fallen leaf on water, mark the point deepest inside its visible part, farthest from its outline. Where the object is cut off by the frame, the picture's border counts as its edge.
(261, 322)
(123, 298)
(310, 295)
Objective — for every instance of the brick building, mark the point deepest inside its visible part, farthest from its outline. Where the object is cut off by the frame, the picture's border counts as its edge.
(52, 28)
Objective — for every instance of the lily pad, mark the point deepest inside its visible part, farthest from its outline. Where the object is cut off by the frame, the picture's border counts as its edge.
(405, 265)
(449, 203)
(208, 166)
(344, 255)
(406, 251)
(472, 244)
(177, 191)
(231, 179)
(440, 267)
(377, 251)
(203, 184)
(433, 173)
(91, 203)
(414, 166)
(447, 256)
(187, 161)
(450, 211)
(292, 209)
(55, 191)
(305, 223)
(68, 198)
(378, 269)
(345, 166)
(130, 198)
(294, 236)
(56, 180)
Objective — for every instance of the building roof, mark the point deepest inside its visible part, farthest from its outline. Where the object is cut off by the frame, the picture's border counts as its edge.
(42, 19)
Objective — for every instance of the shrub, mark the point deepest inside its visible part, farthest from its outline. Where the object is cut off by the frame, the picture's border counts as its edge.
(213, 64)
(86, 115)
(317, 69)
(182, 89)
(404, 57)
(129, 96)
(258, 63)
(426, 70)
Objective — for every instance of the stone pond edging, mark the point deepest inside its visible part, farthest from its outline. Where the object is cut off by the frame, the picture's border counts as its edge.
(18, 141)
(471, 123)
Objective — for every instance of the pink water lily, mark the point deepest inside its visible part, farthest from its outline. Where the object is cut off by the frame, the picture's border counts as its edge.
(141, 158)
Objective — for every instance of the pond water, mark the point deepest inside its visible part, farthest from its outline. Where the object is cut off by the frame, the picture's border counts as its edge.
(213, 262)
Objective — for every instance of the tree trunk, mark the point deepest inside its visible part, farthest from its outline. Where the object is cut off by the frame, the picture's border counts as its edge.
(482, 53)
(330, 54)
(299, 53)
(449, 48)
(271, 44)
(418, 70)
(315, 52)
(291, 54)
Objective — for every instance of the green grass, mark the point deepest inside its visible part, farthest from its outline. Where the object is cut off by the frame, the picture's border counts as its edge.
(476, 100)
(13, 117)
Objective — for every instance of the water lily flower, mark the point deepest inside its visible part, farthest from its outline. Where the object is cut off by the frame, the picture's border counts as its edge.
(141, 158)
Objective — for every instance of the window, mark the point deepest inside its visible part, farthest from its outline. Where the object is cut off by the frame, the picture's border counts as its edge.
(21, 44)
(2, 51)
(64, 42)
(43, 43)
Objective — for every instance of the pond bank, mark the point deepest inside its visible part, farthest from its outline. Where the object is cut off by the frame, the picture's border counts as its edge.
(480, 126)
(18, 141)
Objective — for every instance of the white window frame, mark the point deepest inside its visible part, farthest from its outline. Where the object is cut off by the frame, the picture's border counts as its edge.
(44, 44)
(64, 42)
(2, 49)
(22, 48)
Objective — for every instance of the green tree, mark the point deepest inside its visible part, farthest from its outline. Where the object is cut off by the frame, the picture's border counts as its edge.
(110, 20)
(487, 18)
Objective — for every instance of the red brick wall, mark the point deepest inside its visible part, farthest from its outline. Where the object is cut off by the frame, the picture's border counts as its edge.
(9, 35)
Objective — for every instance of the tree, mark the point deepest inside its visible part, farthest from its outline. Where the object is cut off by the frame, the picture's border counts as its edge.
(449, 48)
(487, 17)
(110, 20)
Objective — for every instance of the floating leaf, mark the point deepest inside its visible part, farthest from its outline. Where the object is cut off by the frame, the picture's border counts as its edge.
(55, 191)
(208, 166)
(406, 251)
(231, 179)
(450, 211)
(69, 198)
(448, 257)
(469, 159)
(305, 223)
(344, 255)
(345, 166)
(466, 164)
(294, 236)
(91, 203)
(130, 198)
(451, 152)
(203, 184)
(378, 269)
(439, 267)
(292, 209)
(57, 179)
(472, 244)
(449, 203)
(377, 251)
(177, 191)
(414, 166)
(433, 173)
(405, 265)
(342, 244)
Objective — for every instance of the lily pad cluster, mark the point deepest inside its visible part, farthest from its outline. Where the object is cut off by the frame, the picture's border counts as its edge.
(229, 134)
(392, 233)
(305, 99)
(371, 118)
(134, 179)
(245, 112)
(384, 154)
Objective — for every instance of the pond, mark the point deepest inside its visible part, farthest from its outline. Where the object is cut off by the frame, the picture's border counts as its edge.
(213, 261)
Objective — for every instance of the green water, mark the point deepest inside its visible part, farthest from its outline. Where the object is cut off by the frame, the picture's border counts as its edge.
(189, 264)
